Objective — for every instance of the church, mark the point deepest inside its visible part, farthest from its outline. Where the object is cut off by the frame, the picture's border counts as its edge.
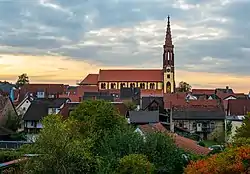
(146, 79)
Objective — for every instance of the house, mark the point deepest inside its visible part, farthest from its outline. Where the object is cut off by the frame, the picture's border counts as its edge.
(38, 109)
(6, 108)
(203, 117)
(184, 143)
(236, 122)
(42, 90)
(154, 81)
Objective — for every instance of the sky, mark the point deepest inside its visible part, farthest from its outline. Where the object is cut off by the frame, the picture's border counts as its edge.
(61, 41)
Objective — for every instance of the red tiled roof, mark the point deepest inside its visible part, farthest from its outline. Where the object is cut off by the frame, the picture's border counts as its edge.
(203, 91)
(223, 95)
(49, 88)
(239, 107)
(181, 142)
(141, 75)
(91, 79)
(81, 89)
(72, 97)
(151, 92)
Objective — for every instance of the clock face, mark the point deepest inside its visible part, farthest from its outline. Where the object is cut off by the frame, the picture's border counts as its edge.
(168, 70)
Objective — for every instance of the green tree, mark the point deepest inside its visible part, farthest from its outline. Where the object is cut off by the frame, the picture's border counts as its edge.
(13, 121)
(98, 117)
(22, 80)
(184, 87)
(61, 149)
(135, 164)
(163, 153)
(130, 105)
(244, 130)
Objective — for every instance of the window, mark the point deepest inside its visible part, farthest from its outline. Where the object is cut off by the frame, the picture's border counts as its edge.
(152, 86)
(168, 76)
(103, 85)
(132, 85)
(142, 85)
(122, 85)
(113, 85)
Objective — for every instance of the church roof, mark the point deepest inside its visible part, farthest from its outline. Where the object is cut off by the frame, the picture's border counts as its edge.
(138, 75)
(91, 79)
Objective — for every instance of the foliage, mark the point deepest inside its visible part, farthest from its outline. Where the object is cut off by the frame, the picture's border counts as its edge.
(244, 130)
(229, 128)
(60, 149)
(22, 80)
(233, 160)
(6, 155)
(135, 164)
(18, 136)
(201, 143)
(130, 105)
(184, 87)
(98, 117)
(241, 141)
(13, 121)
(162, 152)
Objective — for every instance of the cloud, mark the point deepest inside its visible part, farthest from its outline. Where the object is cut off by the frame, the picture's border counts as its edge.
(209, 36)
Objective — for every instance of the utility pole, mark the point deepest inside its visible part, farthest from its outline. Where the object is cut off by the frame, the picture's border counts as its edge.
(171, 118)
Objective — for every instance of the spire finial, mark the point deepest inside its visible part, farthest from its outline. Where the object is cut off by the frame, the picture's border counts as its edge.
(168, 39)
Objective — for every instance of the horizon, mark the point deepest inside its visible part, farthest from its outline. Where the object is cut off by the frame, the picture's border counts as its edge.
(55, 41)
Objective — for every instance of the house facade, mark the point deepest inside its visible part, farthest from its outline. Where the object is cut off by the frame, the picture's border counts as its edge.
(150, 79)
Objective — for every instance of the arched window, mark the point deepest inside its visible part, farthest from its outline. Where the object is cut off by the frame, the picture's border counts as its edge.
(113, 85)
(168, 86)
(152, 85)
(142, 85)
(122, 85)
(132, 85)
(103, 85)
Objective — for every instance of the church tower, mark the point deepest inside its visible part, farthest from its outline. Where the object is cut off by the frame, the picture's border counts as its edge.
(168, 62)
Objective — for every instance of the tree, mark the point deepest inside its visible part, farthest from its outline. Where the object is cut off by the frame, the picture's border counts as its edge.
(22, 80)
(184, 87)
(130, 105)
(233, 160)
(13, 121)
(135, 164)
(61, 149)
(244, 130)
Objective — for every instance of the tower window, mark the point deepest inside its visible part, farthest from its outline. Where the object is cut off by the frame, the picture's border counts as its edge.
(142, 85)
(152, 86)
(113, 85)
(168, 76)
(103, 85)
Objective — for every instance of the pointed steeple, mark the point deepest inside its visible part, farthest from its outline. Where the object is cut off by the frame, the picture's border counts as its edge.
(168, 38)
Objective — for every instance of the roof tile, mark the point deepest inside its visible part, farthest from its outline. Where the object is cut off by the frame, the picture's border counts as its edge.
(139, 75)
(90, 79)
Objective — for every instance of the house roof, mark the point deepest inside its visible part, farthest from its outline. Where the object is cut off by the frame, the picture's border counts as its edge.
(238, 107)
(139, 117)
(146, 101)
(52, 102)
(121, 107)
(139, 75)
(49, 88)
(152, 92)
(203, 91)
(3, 101)
(72, 97)
(67, 108)
(90, 79)
(36, 111)
(181, 142)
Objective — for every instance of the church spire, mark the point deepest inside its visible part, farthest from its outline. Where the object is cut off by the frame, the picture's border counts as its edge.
(168, 38)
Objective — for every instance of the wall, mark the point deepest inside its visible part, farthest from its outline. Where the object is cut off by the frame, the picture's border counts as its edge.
(235, 125)
(23, 107)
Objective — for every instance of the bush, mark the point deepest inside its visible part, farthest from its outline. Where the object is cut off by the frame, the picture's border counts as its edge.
(6, 156)
(135, 164)
(201, 143)
(233, 160)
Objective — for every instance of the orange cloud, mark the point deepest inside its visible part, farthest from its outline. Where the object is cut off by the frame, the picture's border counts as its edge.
(55, 69)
